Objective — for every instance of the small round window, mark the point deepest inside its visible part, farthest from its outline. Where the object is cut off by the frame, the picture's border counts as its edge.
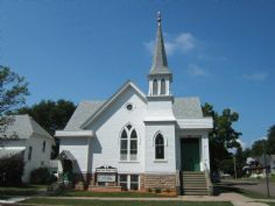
(129, 107)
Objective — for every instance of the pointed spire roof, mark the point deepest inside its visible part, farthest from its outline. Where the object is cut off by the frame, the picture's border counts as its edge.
(160, 65)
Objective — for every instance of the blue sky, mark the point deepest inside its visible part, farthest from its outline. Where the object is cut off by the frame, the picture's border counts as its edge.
(221, 51)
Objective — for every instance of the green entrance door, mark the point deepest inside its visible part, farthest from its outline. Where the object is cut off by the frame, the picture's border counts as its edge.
(190, 154)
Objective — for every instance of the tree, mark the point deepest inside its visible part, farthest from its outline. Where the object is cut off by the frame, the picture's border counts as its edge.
(223, 135)
(257, 148)
(13, 91)
(51, 116)
(271, 140)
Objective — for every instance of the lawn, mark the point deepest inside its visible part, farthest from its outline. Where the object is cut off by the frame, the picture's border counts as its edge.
(270, 203)
(72, 193)
(70, 202)
(223, 188)
(21, 190)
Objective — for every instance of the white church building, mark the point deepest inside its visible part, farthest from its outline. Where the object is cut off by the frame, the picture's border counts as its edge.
(138, 141)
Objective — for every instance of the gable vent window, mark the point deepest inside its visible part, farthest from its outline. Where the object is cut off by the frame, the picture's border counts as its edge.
(44, 146)
(128, 144)
(30, 153)
(129, 107)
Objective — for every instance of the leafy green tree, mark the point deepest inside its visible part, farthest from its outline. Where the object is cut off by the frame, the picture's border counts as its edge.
(13, 91)
(257, 148)
(51, 115)
(271, 140)
(223, 135)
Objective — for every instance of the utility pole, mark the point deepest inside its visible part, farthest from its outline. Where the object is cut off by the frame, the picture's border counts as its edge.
(266, 171)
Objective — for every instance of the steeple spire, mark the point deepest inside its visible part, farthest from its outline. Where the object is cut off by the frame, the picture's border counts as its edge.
(160, 65)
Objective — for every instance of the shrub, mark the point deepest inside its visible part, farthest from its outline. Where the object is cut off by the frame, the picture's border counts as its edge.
(157, 190)
(41, 176)
(11, 170)
(149, 190)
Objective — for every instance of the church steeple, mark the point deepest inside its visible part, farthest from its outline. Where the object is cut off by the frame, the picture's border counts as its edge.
(159, 76)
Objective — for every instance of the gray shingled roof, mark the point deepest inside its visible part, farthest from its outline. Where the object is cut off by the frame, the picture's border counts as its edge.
(187, 108)
(23, 126)
(83, 111)
(183, 108)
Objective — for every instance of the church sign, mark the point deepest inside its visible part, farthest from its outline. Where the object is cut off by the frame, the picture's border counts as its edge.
(106, 177)
(106, 174)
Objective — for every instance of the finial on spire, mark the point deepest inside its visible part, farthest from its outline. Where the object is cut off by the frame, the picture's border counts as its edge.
(158, 17)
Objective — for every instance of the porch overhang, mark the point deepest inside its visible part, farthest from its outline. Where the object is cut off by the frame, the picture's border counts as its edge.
(78, 133)
(204, 123)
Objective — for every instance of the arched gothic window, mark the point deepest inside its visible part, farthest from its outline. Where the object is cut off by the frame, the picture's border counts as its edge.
(162, 87)
(159, 147)
(155, 87)
(128, 144)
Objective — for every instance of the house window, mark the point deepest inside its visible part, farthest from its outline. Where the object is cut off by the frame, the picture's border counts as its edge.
(159, 147)
(30, 153)
(133, 146)
(123, 145)
(128, 144)
(155, 87)
(123, 182)
(162, 87)
(133, 182)
(44, 146)
(129, 182)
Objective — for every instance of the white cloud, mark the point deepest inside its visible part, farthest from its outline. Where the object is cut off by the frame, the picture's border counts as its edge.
(196, 70)
(243, 144)
(183, 42)
(260, 76)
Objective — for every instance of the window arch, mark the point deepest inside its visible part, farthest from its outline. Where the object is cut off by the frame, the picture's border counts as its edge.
(159, 147)
(155, 87)
(128, 144)
(162, 87)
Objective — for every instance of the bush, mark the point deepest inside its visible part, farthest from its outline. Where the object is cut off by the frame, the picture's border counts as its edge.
(11, 170)
(41, 176)
(157, 190)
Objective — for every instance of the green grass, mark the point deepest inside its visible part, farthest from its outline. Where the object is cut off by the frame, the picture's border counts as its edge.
(71, 202)
(247, 193)
(71, 193)
(21, 190)
(270, 203)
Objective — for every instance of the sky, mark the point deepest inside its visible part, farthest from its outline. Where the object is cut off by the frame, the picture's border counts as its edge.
(220, 50)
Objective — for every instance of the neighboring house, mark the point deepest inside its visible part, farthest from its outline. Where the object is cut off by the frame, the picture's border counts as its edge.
(255, 166)
(27, 137)
(145, 140)
(270, 161)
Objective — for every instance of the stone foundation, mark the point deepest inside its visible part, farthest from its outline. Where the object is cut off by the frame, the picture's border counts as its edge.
(159, 182)
(104, 188)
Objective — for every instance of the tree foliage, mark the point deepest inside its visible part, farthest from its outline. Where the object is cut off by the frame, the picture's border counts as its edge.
(11, 170)
(257, 148)
(51, 115)
(271, 140)
(13, 91)
(223, 135)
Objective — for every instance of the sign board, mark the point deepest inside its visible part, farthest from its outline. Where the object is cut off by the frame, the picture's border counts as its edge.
(106, 177)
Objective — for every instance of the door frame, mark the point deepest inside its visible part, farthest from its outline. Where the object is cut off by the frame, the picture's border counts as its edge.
(200, 150)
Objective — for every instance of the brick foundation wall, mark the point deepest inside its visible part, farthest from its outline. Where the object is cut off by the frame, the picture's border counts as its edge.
(157, 181)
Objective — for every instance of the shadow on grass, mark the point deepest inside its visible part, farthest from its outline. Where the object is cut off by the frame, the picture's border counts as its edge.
(233, 187)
